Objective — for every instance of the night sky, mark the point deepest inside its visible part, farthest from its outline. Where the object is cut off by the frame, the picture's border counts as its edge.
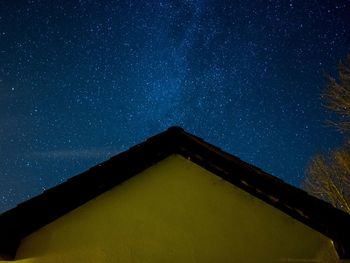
(81, 81)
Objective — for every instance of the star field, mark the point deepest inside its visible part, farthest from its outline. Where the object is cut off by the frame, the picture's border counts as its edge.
(81, 81)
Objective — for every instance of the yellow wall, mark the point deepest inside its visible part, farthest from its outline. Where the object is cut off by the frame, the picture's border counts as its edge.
(175, 211)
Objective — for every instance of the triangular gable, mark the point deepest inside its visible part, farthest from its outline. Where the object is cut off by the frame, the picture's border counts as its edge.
(56, 202)
(175, 211)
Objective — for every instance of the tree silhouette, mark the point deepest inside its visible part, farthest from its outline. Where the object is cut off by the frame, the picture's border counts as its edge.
(337, 96)
(328, 177)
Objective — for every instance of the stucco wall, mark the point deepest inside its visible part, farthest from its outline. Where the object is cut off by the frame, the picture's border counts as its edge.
(175, 211)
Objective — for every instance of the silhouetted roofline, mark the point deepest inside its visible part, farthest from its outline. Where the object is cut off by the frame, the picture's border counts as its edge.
(53, 203)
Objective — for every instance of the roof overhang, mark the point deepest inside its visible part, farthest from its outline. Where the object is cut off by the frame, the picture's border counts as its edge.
(39, 211)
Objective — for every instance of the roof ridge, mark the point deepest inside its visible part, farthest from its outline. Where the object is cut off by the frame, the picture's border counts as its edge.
(61, 199)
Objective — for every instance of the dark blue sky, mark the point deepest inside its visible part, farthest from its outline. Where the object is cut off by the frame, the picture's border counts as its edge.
(81, 81)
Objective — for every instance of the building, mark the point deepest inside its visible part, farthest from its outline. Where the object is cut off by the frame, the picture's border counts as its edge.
(174, 198)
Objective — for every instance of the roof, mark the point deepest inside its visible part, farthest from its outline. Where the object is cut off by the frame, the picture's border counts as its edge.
(53, 203)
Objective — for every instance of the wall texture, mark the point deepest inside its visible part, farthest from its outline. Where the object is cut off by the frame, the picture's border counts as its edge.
(176, 211)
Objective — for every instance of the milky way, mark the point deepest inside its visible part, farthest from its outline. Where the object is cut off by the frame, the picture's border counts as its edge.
(81, 81)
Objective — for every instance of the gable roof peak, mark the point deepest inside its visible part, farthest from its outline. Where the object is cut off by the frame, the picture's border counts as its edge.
(61, 199)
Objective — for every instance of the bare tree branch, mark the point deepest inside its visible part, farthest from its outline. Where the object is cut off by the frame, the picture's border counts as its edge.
(337, 95)
(328, 177)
